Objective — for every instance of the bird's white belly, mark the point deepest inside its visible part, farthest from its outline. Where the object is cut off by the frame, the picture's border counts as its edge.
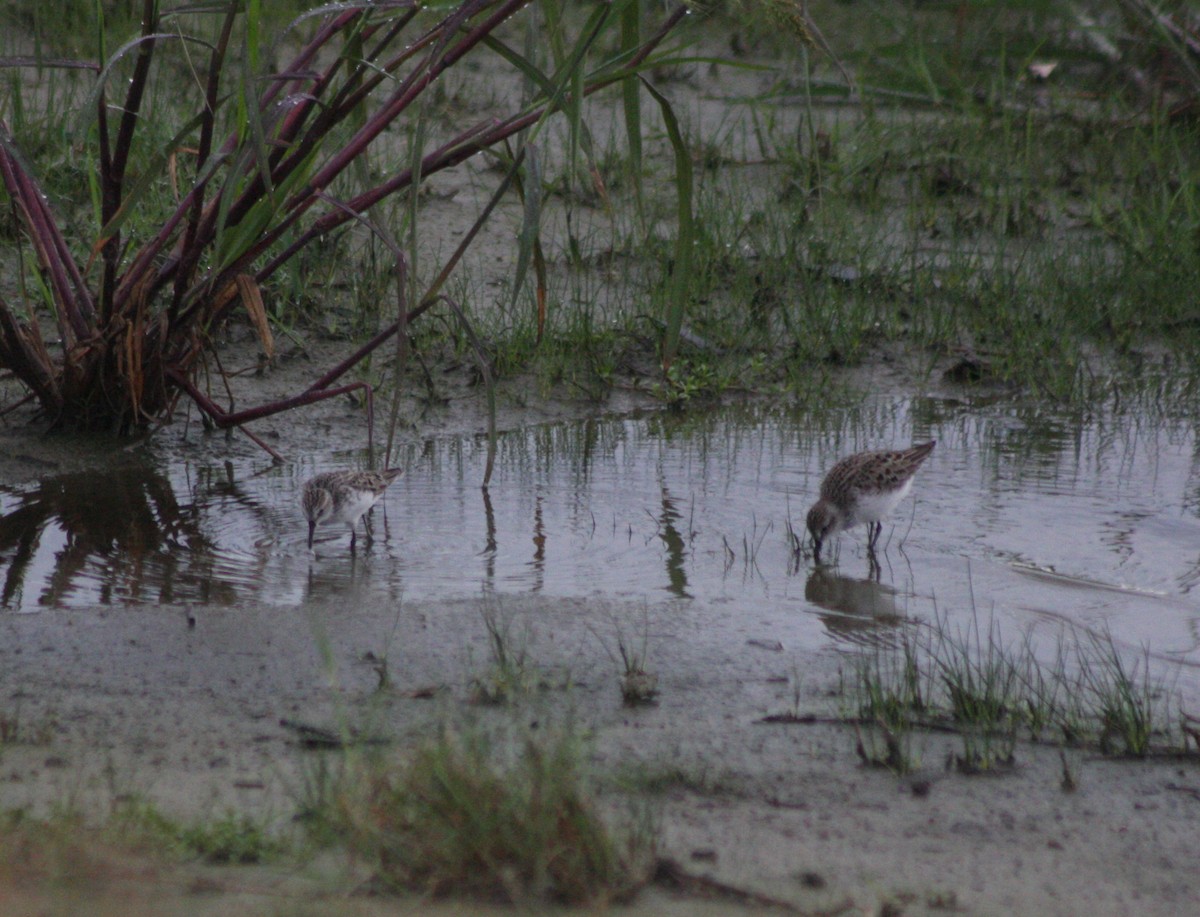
(873, 507)
(353, 507)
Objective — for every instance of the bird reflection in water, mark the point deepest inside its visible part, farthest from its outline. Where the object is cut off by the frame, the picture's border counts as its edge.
(862, 611)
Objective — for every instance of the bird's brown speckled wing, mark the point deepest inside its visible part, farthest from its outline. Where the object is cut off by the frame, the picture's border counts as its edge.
(871, 472)
(374, 481)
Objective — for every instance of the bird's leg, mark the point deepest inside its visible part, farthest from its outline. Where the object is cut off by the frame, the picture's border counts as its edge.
(353, 539)
(873, 530)
(367, 525)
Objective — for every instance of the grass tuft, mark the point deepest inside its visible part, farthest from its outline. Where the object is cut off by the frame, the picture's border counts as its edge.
(981, 679)
(1129, 706)
(972, 683)
(889, 691)
(510, 674)
(230, 839)
(639, 687)
(458, 818)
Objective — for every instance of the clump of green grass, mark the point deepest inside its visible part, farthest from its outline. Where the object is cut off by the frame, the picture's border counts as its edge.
(137, 824)
(69, 847)
(981, 679)
(232, 838)
(1130, 707)
(462, 817)
(510, 673)
(889, 692)
(658, 778)
(323, 778)
(14, 728)
(989, 692)
(1041, 691)
(639, 687)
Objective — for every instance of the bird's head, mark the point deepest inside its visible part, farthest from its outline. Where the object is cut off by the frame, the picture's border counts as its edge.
(822, 522)
(317, 504)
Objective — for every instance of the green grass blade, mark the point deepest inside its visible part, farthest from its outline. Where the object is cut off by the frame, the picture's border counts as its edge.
(87, 111)
(531, 189)
(631, 99)
(150, 174)
(528, 68)
(679, 287)
(252, 114)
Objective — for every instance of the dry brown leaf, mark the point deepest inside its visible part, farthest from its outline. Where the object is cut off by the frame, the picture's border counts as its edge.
(252, 298)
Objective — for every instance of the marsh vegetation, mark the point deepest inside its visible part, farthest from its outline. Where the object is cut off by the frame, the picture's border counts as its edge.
(738, 199)
(695, 202)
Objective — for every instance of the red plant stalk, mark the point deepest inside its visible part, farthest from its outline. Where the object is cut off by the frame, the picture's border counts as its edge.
(152, 350)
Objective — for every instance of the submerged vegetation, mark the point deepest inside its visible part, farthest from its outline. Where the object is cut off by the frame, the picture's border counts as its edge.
(1012, 191)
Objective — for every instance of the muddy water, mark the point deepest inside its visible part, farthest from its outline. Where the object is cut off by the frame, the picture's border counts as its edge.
(1024, 515)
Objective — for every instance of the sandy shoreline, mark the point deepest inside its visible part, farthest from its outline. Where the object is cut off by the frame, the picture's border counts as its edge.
(135, 703)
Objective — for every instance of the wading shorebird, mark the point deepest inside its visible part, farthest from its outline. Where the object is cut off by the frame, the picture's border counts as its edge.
(344, 496)
(863, 487)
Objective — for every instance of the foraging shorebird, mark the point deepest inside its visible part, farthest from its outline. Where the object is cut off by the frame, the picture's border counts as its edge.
(343, 496)
(863, 487)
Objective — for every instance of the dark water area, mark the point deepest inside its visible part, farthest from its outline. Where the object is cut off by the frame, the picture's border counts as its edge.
(1024, 514)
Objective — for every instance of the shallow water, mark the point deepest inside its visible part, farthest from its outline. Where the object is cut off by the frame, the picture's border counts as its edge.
(1022, 514)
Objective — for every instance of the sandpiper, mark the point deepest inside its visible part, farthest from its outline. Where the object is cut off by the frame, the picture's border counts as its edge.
(343, 496)
(864, 487)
